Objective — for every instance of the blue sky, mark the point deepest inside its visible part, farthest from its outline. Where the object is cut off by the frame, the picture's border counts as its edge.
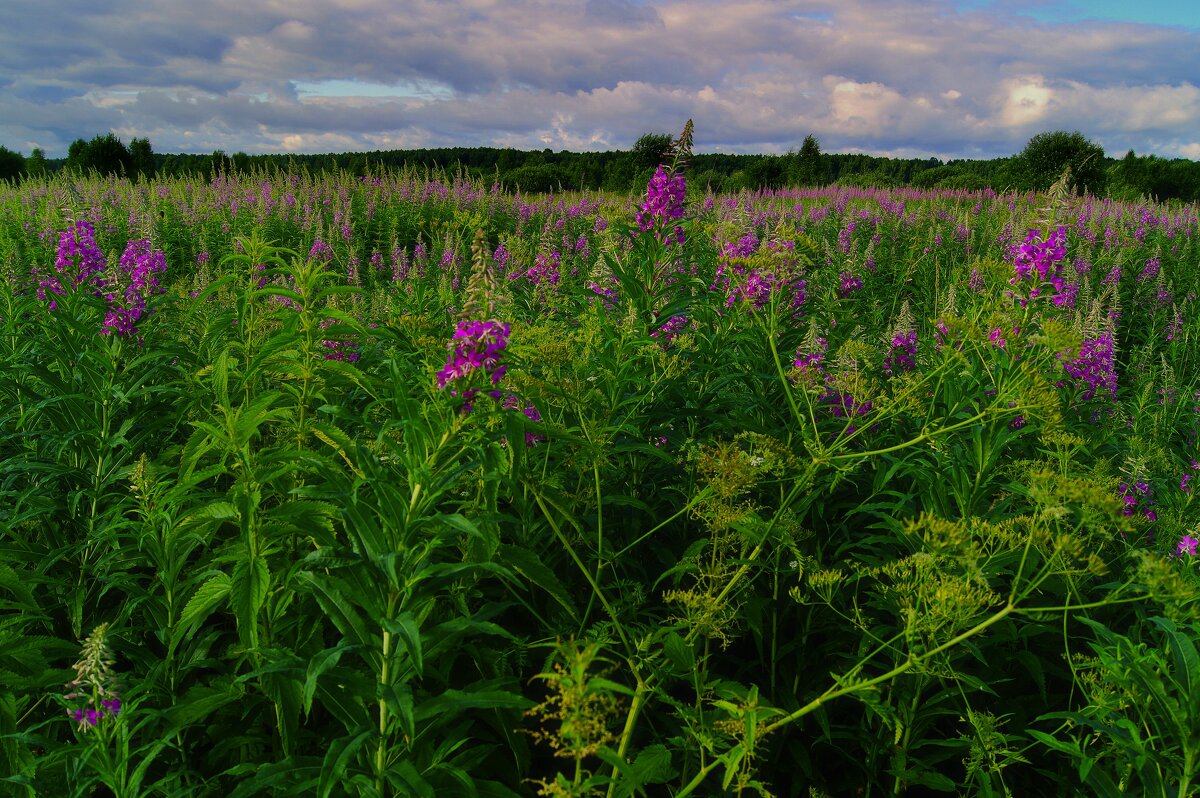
(1173, 13)
(948, 78)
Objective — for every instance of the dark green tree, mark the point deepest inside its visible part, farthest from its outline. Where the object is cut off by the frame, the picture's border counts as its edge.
(765, 171)
(12, 164)
(1047, 154)
(807, 166)
(35, 164)
(76, 154)
(105, 154)
(650, 150)
(142, 157)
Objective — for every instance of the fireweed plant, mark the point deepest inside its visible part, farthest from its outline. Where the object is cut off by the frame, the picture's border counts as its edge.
(399, 484)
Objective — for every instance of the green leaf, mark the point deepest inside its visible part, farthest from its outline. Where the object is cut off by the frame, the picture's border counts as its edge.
(202, 603)
(456, 701)
(652, 766)
(198, 703)
(399, 699)
(337, 758)
(345, 616)
(318, 664)
(528, 565)
(406, 630)
(248, 591)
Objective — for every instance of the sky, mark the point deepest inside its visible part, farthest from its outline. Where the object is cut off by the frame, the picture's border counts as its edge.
(945, 79)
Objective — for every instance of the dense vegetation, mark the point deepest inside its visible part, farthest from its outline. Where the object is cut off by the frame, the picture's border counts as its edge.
(397, 485)
(1036, 167)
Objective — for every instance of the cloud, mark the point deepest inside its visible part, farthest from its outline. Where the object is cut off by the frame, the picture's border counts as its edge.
(882, 76)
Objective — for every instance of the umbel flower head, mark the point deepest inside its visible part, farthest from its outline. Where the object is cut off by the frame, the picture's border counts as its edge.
(92, 694)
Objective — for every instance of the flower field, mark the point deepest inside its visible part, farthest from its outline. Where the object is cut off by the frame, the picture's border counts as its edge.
(401, 485)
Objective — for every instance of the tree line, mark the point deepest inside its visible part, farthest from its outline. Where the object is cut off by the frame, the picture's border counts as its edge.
(1036, 167)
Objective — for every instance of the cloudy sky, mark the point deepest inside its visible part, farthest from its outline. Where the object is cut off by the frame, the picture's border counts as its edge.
(947, 78)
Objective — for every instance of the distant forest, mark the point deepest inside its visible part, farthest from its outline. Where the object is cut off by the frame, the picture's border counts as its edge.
(1036, 167)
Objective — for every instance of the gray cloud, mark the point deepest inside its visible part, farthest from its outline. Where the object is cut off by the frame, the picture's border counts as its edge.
(882, 76)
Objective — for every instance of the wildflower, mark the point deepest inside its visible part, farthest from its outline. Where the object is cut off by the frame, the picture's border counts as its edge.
(475, 349)
(902, 356)
(78, 259)
(94, 683)
(1150, 271)
(1094, 370)
(664, 205)
(339, 349)
(976, 281)
(849, 284)
(1187, 545)
(127, 287)
(668, 331)
(1040, 260)
(321, 252)
(545, 270)
(511, 402)
(811, 364)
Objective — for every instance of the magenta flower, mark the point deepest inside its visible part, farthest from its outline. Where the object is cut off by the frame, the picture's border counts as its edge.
(902, 356)
(77, 261)
(511, 402)
(475, 351)
(1094, 371)
(1187, 545)
(849, 284)
(669, 330)
(664, 205)
(1040, 261)
(321, 252)
(126, 288)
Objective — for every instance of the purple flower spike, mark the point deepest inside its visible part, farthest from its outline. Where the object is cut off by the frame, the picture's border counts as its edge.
(475, 347)
(664, 205)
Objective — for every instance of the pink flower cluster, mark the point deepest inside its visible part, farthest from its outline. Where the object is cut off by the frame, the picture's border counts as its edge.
(664, 205)
(511, 402)
(475, 351)
(126, 288)
(848, 285)
(1094, 370)
(902, 356)
(839, 403)
(90, 716)
(77, 261)
(1040, 261)
(669, 330)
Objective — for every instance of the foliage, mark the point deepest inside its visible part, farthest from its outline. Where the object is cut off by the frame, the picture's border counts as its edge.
(1047, 155)
(106, 155)
(624, 171)
(404, 485)
(12, 164)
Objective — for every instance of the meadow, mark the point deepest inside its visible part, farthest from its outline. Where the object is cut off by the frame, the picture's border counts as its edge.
(403, 485)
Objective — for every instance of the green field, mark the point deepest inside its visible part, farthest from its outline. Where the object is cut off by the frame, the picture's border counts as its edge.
(397, 485)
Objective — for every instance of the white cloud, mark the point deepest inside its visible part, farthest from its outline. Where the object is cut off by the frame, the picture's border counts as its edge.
(1026, 101)
(882, 76)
